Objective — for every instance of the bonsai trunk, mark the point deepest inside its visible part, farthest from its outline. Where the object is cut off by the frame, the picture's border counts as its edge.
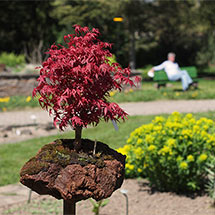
(69, 208)
(77, 142)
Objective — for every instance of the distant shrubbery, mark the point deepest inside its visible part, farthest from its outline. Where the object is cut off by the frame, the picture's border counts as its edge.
(171, 152)
(209, 71)
(144, 72)
(11, 59)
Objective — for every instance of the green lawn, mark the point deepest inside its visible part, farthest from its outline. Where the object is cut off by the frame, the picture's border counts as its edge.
(147, 92)
(13, 156)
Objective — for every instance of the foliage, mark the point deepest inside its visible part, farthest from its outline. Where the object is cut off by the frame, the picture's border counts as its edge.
(86, 13)
(27, 27)
(206, 56)
(112, 59)
(144, 72)
(11, 59)
(97, 205)
(153, 28)
(210, 186)
(75, 82)
(208, 71)
(172, 153)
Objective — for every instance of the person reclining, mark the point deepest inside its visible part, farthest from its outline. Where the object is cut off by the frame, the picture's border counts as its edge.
(174, 72)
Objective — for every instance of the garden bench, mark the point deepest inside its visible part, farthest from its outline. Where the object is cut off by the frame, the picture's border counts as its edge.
(161, 79)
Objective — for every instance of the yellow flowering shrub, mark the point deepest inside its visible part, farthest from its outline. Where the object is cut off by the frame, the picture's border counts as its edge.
(171, 152)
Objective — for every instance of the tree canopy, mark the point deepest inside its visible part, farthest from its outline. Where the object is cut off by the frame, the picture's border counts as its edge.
(150, 28)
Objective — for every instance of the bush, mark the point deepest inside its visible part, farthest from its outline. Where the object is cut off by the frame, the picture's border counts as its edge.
(208, 71)
(144, 72)
(11, 59)
(171, 153)
(112, 59)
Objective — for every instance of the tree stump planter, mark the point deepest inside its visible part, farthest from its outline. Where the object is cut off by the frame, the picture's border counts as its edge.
(60, 171)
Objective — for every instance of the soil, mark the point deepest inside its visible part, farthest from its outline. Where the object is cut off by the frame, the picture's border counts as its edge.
(141, 202)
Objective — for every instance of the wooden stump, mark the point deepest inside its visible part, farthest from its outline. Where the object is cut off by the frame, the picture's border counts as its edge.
(58, 170)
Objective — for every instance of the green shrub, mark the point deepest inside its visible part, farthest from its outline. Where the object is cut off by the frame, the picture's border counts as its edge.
(171, 153)
(210, 186)
(144, 72)
(11, 59)
(209, 70)
(112, 59)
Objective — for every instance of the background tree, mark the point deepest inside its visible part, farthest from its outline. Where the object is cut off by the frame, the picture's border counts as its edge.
(27, 27)
(206, 30)
(149, 30)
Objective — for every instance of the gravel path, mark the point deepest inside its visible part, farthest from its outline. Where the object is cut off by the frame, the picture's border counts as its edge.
(140, 108)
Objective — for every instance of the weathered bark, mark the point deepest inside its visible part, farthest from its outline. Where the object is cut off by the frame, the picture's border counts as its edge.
(58, 171)
(77, 142)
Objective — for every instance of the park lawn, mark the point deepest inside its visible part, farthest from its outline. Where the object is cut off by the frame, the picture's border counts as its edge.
(146, 92)
(14, 155)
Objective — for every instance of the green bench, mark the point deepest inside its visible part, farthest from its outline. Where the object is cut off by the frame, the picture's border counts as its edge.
(161, 79)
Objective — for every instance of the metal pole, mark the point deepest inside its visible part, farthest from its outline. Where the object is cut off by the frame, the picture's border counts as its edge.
(124, 192)
(68, 208)
(126, 203)
(29, 196)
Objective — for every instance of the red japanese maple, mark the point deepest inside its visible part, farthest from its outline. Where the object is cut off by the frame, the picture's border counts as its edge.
(75, 81)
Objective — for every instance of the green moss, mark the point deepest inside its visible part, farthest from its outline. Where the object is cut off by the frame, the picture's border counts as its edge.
(54, 156)
(100, 163)
(33, 167)
(61, 152)
(108, 157)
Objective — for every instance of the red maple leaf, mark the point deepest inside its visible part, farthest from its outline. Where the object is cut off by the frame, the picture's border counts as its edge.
(75, 81)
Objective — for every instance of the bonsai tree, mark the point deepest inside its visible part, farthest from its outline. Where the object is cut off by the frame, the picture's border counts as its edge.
(75, 82)
(74, 86)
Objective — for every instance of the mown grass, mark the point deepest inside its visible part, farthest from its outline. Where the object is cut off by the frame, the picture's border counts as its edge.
(146, 92)
(13, 156)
